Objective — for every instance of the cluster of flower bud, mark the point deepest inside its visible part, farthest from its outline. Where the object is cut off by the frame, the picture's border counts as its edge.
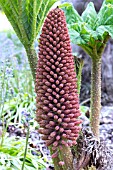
(56, 88)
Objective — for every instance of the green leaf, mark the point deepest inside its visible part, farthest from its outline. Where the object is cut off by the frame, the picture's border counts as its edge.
(79, 34)
(105, 15)
(41, 15)
(108, 1)
(8, 12)
(15, 5)
(90, 31)
(11, 156)
(44, 8)
(89, 15)
(72, 15)
(101, 30)
(26, 17)
(75, 37)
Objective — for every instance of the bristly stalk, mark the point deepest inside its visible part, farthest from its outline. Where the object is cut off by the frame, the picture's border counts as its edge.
(32, 58)
(66, 156)
(95, 96)
(96, 88)
(55, 160)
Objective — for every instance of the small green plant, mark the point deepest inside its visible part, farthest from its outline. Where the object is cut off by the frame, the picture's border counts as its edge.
(12, 155)
(91, 31)
(15, 97)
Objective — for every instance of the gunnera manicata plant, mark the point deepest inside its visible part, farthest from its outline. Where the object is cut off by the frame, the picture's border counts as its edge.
(57, 98)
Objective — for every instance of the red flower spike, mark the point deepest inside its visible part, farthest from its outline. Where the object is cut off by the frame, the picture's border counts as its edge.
(56, 88)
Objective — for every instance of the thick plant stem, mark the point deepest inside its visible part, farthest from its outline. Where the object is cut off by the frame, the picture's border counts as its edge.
(95, 95)
(66, 156)
(56, 164)
(32, 58)
(56, 161)
(96, 56)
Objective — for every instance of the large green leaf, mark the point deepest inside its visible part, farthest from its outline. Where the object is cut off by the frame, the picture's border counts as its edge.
(26, 17)
(41, 14)
(89, 15)
(105, 16)
(72, 15)
(105, 19)
(78, 33)
(90, 30)
(81, 28)
(45, 6)
(105, 28)
(12, 19)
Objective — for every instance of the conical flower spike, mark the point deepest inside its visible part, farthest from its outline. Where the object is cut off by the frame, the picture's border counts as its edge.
(56, 88)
